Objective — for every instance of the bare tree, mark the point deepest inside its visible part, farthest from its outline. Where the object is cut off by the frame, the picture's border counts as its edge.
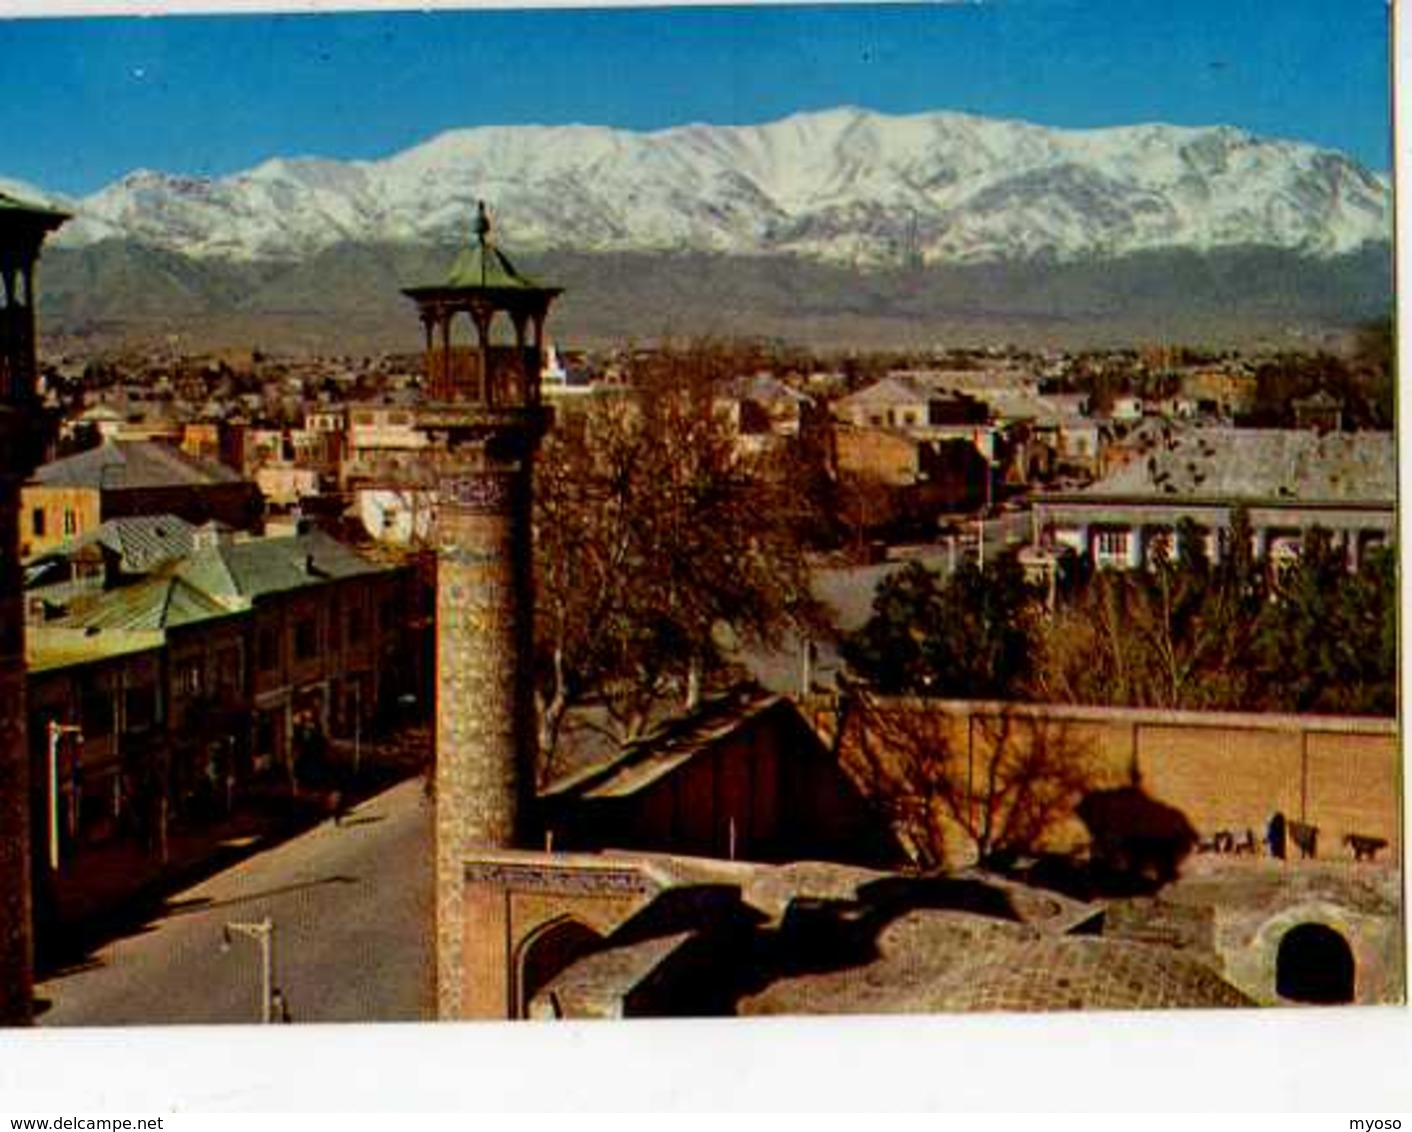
(658, 542)
(1003, 780)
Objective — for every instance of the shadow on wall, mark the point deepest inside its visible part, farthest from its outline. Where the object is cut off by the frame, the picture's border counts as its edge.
(1136, 847)
(1138, 843)
(1002, 784)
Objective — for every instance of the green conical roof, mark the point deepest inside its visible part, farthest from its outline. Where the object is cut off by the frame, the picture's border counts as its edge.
(484, 267)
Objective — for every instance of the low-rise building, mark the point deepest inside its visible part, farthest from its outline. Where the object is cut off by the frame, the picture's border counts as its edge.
(192, 682)
(329, 635)
(1287, 481)
(741, 776)
(765, 412)
(96, 710)
(69, 497)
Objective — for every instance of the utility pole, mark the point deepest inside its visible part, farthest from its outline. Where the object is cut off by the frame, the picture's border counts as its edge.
(263, 933)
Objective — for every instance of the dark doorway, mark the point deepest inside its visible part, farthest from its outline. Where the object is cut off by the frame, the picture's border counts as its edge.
(549, 949)
(1315, 964)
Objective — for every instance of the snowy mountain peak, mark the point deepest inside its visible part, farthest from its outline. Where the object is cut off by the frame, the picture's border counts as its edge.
(840, 184)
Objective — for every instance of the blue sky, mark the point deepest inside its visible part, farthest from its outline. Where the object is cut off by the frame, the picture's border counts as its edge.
(87, 100)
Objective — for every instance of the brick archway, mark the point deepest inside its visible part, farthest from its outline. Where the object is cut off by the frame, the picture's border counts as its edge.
(547, 950)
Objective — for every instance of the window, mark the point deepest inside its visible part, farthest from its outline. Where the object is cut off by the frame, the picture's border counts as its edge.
(189, 678)
(70, 521)
(140, 708)
(1160, 546)
(228, 676)
(36, 522)
(266, 723)
(306, 639)
(1112, 544)
(96, 706)
(268, 649)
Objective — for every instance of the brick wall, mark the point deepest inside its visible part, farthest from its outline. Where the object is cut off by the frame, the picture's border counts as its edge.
(1223, 770)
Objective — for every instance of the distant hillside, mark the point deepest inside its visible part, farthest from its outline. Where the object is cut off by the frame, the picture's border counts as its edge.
(346, 299)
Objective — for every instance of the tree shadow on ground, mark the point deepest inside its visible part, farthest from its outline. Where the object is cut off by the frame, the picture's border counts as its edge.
(70, 945)
(735, 950)
(206, 904)
(349, 823)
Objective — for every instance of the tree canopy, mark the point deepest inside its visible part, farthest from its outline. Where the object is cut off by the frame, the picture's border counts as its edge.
(660, 547)
(1236, 633)
(968, 637)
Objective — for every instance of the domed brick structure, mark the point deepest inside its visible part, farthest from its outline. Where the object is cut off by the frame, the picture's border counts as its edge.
(1083, 974)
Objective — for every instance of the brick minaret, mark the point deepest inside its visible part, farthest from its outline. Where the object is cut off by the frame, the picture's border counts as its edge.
(22, 231)
(485, 420)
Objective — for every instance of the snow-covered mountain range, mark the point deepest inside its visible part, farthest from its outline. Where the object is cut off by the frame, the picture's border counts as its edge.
(839, 185)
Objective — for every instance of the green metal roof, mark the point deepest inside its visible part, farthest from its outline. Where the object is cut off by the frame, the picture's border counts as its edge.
(484, 267)
(48, 648)
(141, 542)
(162, 602)
(240, 572)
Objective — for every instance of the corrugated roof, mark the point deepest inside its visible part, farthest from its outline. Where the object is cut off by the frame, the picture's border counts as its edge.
(240, 572)
(161, 602)
(119, 465)
(1291, 465)
(141, 542)
(639, 764)
(48, 647)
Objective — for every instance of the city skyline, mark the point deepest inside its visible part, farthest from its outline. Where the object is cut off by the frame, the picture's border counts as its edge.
(210, 95)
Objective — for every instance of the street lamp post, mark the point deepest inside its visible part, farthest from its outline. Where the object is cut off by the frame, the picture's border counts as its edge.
(263, 932)
(56, 731)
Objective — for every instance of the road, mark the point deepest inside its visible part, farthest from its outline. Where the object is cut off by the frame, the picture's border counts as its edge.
(352, 911)
(847, 592)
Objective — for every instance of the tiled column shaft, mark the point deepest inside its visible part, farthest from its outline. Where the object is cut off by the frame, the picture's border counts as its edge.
(485, 709)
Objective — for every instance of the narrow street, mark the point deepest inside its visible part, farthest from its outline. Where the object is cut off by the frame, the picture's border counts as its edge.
(352, 913)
